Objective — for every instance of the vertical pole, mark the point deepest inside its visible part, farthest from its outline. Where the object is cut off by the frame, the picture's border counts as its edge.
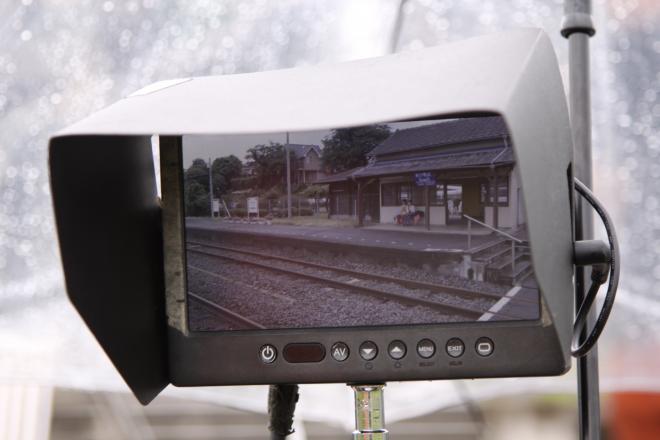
(513, 260)
(577, 27)
(427, 206)
(358, 204)
(288, 177)
(210, 187)
(369, 413)
(469, 234)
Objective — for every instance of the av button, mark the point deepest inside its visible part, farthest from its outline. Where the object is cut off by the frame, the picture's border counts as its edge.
(339, 351)
(396, 350)
(455, 347)
(368, 350)
(268, 354)
(484, 347)
(425, 348)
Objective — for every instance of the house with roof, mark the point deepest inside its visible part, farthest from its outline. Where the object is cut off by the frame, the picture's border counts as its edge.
(450, 171)
(305, 163)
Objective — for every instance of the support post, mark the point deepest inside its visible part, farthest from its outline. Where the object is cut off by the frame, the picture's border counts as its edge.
(469, 234)
(427, 206)
(369, 413)
(513, 260)
(577, 27)
(358, 204)
(288, 178)
(211, 187)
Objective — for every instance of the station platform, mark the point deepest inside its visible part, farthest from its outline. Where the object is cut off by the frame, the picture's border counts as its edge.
(387, 238)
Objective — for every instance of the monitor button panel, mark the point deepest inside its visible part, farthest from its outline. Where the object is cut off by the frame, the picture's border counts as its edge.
(314, 352)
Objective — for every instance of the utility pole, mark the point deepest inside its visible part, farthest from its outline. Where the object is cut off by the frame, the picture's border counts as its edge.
(210, 188)
(578, 27)
(288, 178)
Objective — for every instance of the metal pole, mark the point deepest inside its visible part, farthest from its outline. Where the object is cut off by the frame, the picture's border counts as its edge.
(369, 413)
(288, 178)
(577, 27)
(469, 234)
(513, 260)
(210, 187)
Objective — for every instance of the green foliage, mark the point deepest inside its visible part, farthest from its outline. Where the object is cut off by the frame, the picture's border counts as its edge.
(273, 193)
(196, 189)
(224, 170)
(242, 183)
(198, 172)
(347, 148)
(269, 163)
(196, 199)
(314, 191)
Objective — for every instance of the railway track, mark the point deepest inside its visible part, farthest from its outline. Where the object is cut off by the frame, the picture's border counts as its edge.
(433, 287)
(467, 312)
(226, 314)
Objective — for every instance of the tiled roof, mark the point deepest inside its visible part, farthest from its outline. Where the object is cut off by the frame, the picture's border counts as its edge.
(454, 131)
(467, 159)
(340, 177)
(301, 150)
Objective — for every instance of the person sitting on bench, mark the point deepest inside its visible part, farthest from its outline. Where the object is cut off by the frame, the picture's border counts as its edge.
(400, 219)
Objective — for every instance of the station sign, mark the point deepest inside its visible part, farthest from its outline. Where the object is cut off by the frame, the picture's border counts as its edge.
(425, 179)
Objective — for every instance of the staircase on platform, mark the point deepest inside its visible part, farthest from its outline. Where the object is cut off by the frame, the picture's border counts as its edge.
(506, 260)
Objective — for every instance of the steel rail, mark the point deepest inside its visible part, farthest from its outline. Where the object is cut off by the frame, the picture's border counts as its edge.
(217, 308)
(434, 287)
(380, 294)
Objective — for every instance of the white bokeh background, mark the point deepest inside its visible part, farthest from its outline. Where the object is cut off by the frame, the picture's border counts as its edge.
(61, 60)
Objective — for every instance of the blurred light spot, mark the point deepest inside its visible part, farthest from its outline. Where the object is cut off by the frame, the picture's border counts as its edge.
(26, 35)
(108, 6)
(228, 42)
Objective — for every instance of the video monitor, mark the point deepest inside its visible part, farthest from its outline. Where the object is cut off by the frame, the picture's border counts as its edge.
(391, 224)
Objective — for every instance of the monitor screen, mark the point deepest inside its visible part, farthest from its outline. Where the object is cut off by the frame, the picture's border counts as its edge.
(403, 223)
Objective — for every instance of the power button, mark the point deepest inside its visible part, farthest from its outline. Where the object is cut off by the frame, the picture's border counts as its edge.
(267, 354)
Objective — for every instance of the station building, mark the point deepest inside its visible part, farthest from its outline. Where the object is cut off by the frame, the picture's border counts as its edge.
(451, 171)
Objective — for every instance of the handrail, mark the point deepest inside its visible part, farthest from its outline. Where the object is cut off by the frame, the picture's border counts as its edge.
(510, 237)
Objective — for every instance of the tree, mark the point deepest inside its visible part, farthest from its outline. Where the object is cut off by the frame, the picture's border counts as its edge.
(269, 163)
(196, 189)
(198, 172)
(196, 199)
(347, 148)
(224, 169)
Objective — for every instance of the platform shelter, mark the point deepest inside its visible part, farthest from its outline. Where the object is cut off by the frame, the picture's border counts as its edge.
(450, 171)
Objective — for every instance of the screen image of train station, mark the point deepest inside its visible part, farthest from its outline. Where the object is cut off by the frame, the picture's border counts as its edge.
(430, 230)
(455, 177)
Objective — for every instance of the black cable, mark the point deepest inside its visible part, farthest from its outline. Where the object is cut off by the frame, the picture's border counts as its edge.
(598, 277)
(282, 401)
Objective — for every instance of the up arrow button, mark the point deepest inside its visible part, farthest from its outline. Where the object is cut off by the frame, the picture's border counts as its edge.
(397, 350)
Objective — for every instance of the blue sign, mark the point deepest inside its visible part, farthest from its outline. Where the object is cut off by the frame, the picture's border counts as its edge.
(424, 179)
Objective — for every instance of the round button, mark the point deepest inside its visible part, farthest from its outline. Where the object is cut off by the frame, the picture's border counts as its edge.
(455, 347)
(397, 350)
(425, 348)
(484, 346)
(268, 354)
(339, 351)
(368, 350)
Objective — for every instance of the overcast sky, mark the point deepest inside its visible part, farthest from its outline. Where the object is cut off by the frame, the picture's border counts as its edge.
(214, 146)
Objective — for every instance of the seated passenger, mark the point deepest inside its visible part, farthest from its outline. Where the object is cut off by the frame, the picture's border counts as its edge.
(403, 212)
